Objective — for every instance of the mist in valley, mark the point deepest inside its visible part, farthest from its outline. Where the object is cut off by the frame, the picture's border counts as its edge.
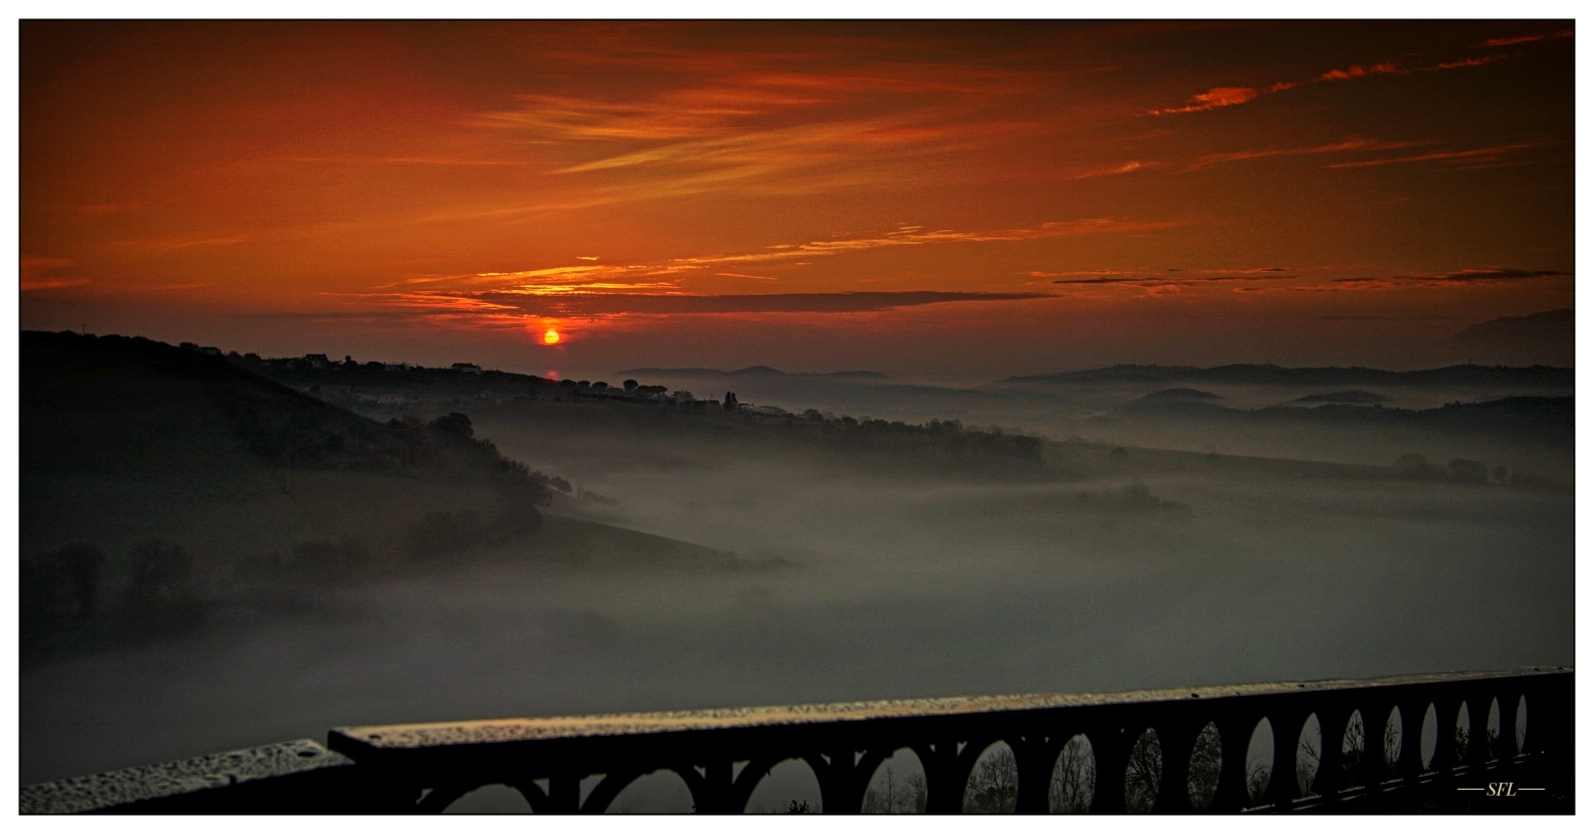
(696, 558)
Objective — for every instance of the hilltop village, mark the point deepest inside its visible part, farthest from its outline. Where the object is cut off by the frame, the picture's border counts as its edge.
(378, 389)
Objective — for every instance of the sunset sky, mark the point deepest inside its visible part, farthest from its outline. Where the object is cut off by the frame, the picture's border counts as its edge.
(962, 198)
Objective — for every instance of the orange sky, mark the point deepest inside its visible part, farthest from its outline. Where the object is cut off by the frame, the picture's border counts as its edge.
(977, 198)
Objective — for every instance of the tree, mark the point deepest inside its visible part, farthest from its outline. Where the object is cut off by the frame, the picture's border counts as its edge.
(630, 385)
(325, 559)
(444, 533)
(163, 597)
(163, 576)
(62, 583)
(897, 796)
(1307, 761)
(1256, 780)
(1391, 743)
(1413, 465)
(1073, 785)
(453, 425)
(1468, 471)
(1143, 776)
(993, 786)
(1206, 764)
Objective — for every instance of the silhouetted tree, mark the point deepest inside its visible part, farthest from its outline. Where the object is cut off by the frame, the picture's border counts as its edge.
(1143, 776)
(1257, 777)
(163, 575)
(993, 786)
(443, 533)
(894, 796)
(453, 425)
(1073, 784)
(330, 560)
(1206, 764)
(1413, 465)
(61, 583)
(1391, 743)
(730, 401)
(163, 597)
(1469, 471)
(1354, 745)
(1307, 760)
(630, 385)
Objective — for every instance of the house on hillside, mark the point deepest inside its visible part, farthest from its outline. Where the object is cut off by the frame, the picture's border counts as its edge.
(317, 360)
(467, 368)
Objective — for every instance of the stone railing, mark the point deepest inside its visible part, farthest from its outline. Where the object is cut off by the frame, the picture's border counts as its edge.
(1444, 742)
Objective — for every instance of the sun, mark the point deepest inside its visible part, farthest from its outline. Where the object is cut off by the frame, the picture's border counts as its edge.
(551, 337)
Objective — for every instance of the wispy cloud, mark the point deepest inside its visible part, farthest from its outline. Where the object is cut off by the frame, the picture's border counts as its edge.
(402, 160)
(1218, 97)
(1211, 100)
(34, 284)
(766, 129)
(1359, 71)
(1474, 155)
(1464, 277)
(1174, 278)
(1469, 62)
(1486, 275)
(1344, 146)
(40, 272)
(597, 304)
(909, 235)
(179, 244)
(668, 275)
(1496, 42)
(1129, 167)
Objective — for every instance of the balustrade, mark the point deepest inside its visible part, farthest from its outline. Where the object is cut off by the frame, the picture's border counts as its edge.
(1150, 737)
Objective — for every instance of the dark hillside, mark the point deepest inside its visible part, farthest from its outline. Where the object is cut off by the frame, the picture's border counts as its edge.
(160, 486)
(115, 405)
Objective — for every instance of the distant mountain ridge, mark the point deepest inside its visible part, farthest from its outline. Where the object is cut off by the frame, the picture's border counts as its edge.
(754, 370)
(1339, 377)
(1547, 420)
(1548, 336)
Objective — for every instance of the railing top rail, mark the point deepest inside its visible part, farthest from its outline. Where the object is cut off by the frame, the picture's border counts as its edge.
(80, 794)
(507, 730)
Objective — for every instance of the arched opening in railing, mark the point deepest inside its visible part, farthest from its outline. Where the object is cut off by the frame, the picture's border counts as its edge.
(1522, 722)
(1073, 783)
(789, 787)
(1259, 761)
(992, 786)
(1206, 767)
(1391, 738)
(1492, 731)
(658, 792)
(1430, 737)
(1463, 735)
(1308, 755)
(496, 798)
(1353, 749)
(1143, 775)
(897, 785)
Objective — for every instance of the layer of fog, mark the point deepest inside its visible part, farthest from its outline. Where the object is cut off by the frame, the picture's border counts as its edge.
(895, 584)
(1094, 411)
